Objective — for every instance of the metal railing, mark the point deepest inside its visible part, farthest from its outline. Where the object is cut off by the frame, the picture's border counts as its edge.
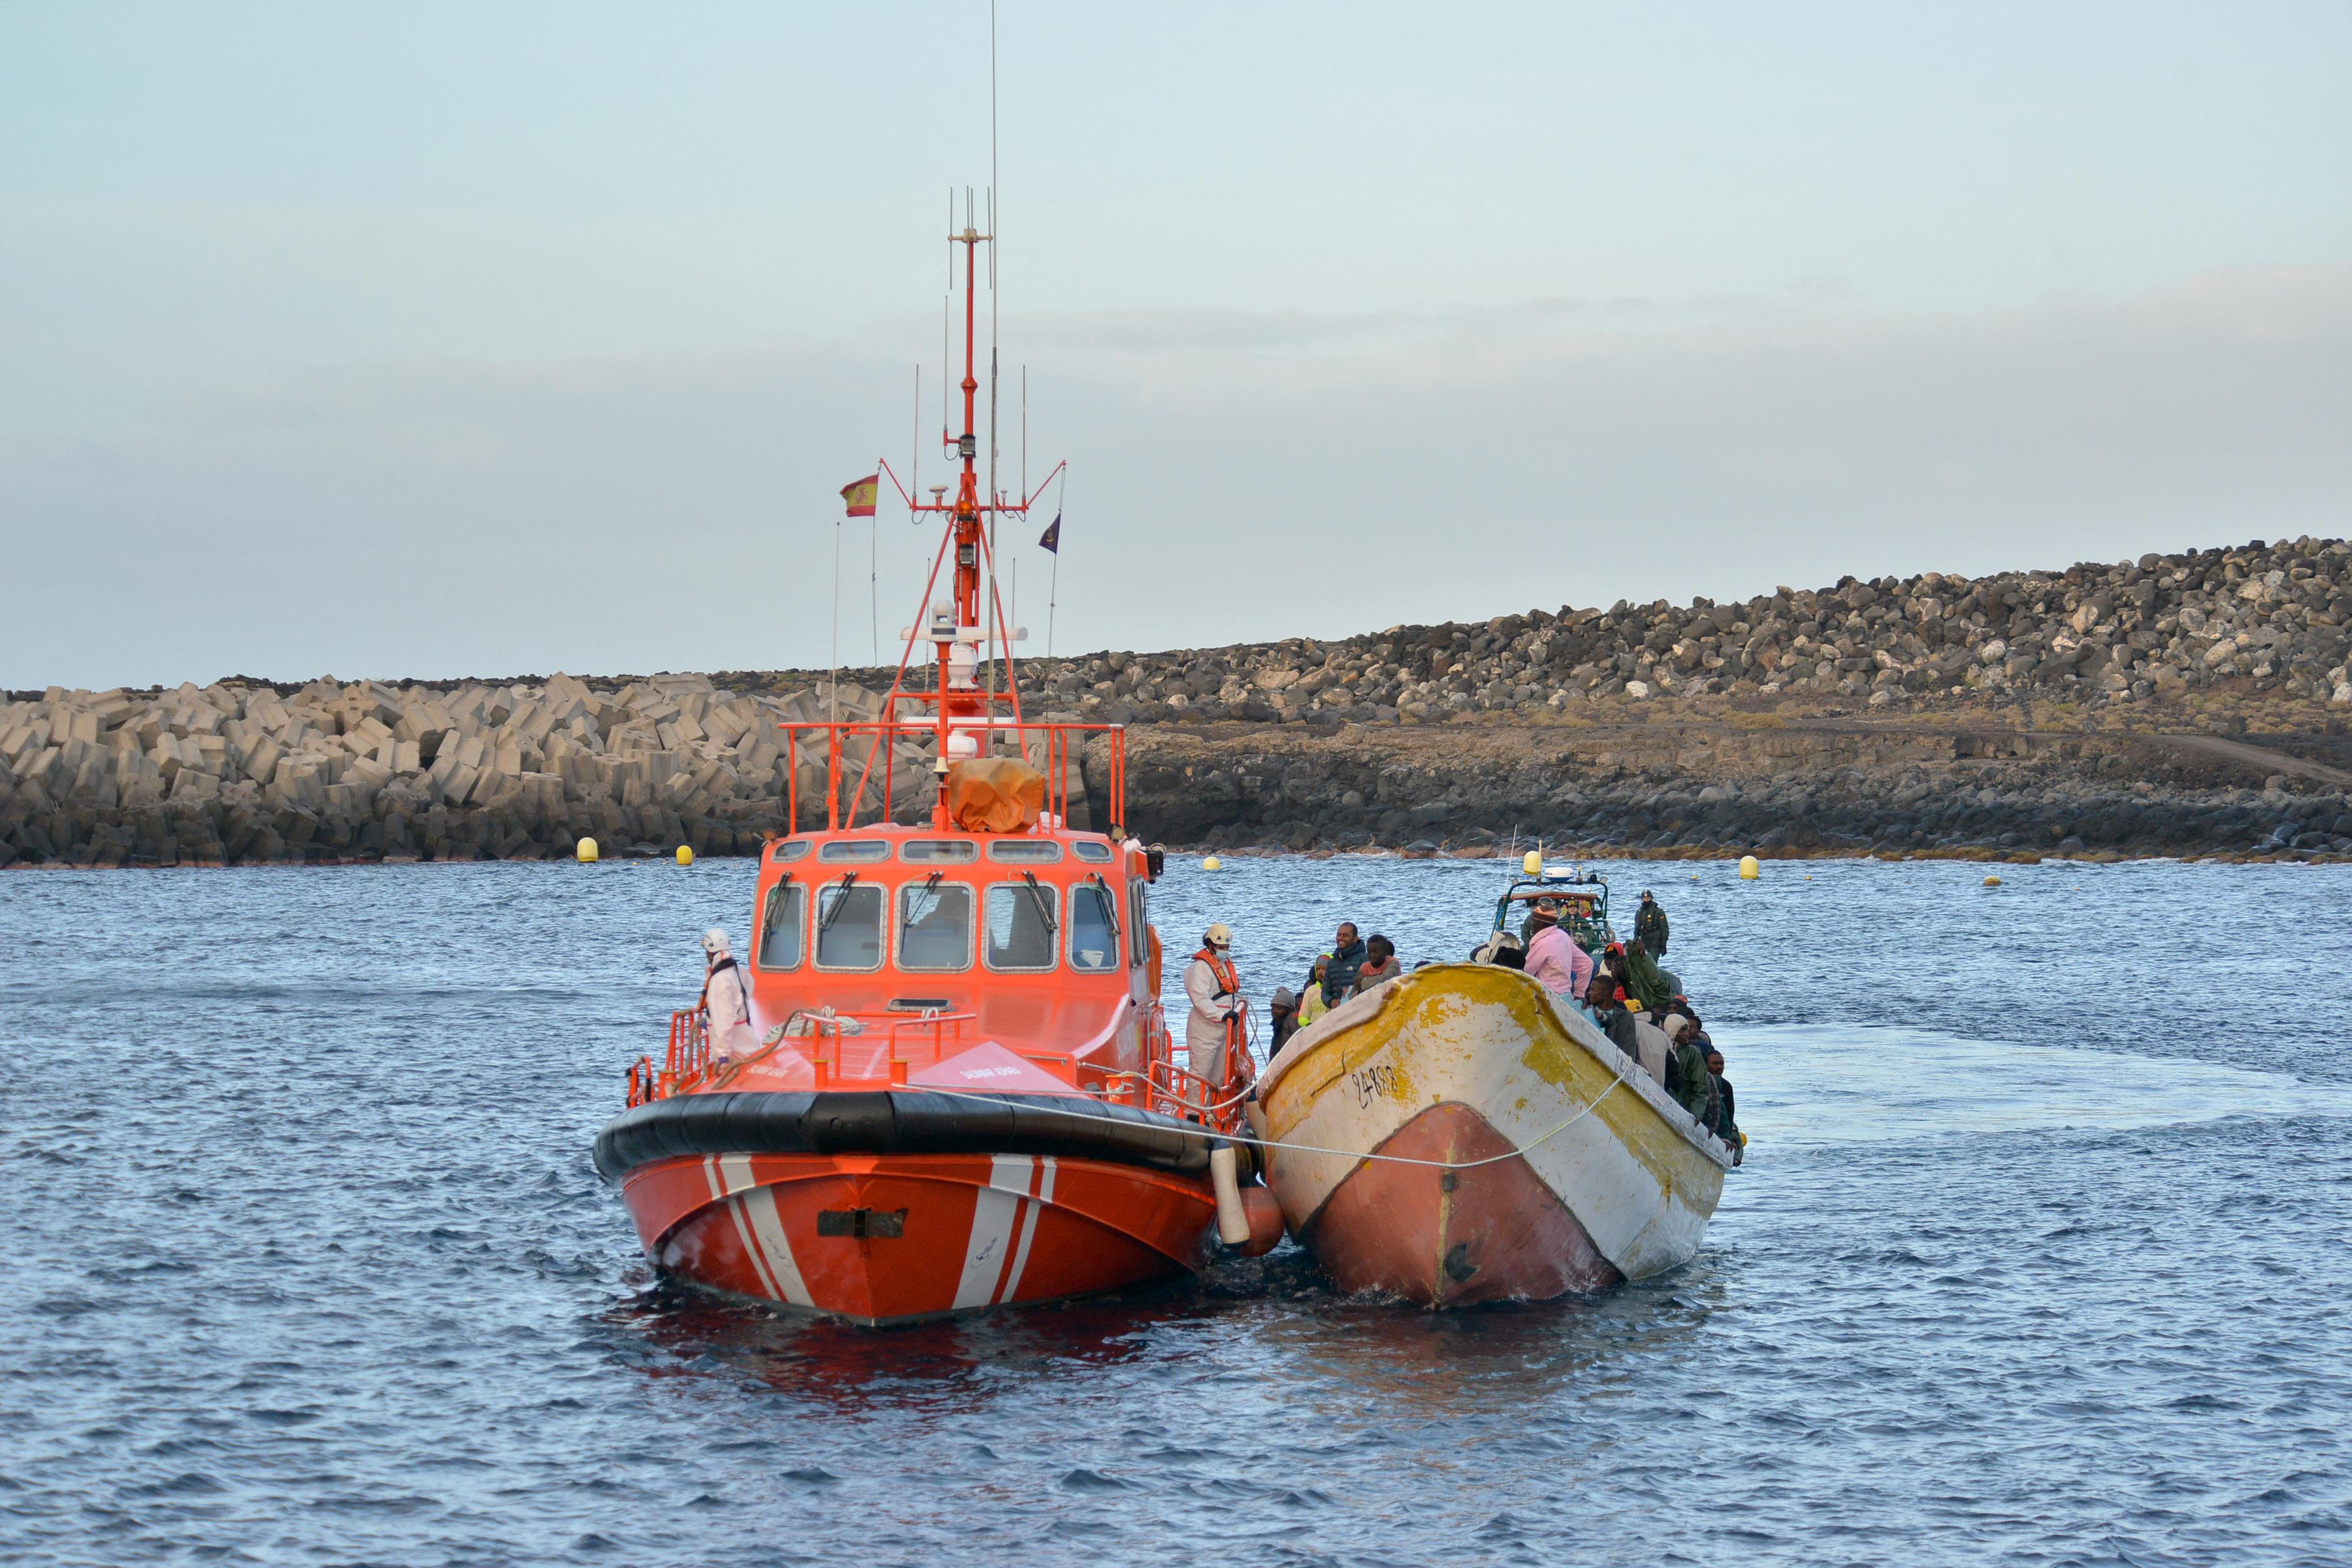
(839, 1054)
(1053, 739)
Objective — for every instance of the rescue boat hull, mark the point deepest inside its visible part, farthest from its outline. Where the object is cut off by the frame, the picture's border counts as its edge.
(892, 1206)
(881, 1239)
(1457, 1136)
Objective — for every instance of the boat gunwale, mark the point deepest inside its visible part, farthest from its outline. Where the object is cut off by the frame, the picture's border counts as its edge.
(1345, 1020)
(902, 1121)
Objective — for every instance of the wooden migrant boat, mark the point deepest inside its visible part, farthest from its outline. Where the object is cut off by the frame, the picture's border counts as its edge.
(1462, 1135)
(964, 1093)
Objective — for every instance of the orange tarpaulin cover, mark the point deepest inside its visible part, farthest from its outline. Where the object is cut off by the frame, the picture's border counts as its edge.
(994, 794)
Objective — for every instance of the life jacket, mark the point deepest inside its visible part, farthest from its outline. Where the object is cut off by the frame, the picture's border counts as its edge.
(743, 989)
(1229, 979)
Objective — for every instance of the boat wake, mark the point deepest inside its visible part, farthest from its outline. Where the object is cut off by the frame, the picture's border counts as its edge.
(1814, 1085)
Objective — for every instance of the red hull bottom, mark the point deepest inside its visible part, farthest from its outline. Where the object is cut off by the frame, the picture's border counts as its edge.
(893, 1238)
(1491, 1233)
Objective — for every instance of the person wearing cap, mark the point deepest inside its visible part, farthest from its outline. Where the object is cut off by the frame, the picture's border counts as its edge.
(1212, 1046)
(1554, 956)
(1311, 1004)
(1650, 927)
(1282, 1012)
(726, 1001)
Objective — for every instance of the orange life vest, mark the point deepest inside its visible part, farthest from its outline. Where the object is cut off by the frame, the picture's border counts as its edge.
(1227, 976)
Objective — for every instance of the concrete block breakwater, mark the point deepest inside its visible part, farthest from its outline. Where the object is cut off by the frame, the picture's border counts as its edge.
(2172, 704)
(241, 771)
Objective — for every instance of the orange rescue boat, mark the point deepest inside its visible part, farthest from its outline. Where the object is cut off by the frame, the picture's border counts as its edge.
(964, 1093)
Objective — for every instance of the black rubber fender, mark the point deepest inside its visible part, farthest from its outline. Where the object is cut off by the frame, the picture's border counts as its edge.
(898, 1121)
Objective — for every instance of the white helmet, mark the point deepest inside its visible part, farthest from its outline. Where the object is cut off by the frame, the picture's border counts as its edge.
(1219, 935)
(714, 944)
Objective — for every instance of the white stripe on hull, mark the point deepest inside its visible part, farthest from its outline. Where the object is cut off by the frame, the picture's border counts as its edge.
(1029, 1228)
(774, 1248)
(720, 1191)
(995, 1210)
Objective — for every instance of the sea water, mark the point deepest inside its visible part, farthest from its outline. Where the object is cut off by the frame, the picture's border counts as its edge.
(2039, 1254)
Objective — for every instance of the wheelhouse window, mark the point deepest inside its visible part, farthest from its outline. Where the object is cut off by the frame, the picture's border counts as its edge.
(1087, 849)
(783, 926)
(788, 850)
(935, 926)
(1022, 918)
(1094, 928)
(855, 851)
(939, 852)
(1138, 927)
(1026, 852)
(849, 926)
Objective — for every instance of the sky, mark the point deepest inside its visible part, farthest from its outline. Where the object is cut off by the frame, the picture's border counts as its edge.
(489, 338)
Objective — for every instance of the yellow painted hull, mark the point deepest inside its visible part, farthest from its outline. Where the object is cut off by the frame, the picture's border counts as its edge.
(1460, 1135)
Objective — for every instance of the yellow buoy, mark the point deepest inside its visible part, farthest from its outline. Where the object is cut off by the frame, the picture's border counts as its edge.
(1532, 865)
(586, 851)
(685, 856)
(1748, 869)
(1992, 881)
(1211, 864)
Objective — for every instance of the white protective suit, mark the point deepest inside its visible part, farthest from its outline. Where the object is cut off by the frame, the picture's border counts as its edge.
(1204, 1029)
(728, 995)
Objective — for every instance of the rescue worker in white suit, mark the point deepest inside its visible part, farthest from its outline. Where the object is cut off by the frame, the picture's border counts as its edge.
(726, 1002)
(1215, 990)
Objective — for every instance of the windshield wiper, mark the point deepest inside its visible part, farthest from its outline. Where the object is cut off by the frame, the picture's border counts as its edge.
(1111, 906)
(1045, 908)
(908, 923)
(840, 902)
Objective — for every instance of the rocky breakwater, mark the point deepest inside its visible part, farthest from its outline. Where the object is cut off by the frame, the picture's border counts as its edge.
(243, 772)
(2259, 623)
(2192, 702)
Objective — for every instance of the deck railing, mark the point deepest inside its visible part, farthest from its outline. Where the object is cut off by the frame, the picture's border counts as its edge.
(1055, 741)
(866, 1047)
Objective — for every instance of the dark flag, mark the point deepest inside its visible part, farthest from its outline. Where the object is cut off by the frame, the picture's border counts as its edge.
(1052, 538)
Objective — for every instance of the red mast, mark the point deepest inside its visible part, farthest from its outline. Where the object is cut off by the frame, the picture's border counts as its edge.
(965, 712)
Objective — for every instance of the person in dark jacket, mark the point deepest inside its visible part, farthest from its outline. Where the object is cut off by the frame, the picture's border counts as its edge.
(1346, 958)
(1284, 1013)
(1726, 1124)
(1650, 928)
(1688, 1079)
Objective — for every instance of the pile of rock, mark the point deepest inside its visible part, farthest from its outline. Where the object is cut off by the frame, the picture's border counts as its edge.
(244, 771)
(1695, 789)
(2262, 620)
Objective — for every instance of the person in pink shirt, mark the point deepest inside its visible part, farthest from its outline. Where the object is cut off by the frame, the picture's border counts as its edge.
(1554, 956)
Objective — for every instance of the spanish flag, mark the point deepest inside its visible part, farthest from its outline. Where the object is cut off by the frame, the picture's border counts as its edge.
(859, 494)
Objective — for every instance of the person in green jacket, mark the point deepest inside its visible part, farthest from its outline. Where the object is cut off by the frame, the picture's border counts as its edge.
(1646, 981)
(1650, 927)
(1688, 1079)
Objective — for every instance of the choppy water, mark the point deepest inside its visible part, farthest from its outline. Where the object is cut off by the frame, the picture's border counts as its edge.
(2039, 1256)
